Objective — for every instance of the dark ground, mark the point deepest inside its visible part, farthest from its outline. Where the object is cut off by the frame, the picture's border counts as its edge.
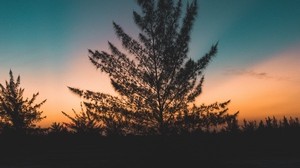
(207, 151)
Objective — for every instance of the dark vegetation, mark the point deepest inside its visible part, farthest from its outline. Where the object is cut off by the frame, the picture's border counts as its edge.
(154, 121)
(17, 114)
(245, 147)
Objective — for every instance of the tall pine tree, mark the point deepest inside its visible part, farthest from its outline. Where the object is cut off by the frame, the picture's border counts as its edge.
(156, 79)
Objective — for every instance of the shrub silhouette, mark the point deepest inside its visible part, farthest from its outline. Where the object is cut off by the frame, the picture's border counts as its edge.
(232, 125)
(294, 122)
(269, 125)
(57, 129)
(82, 123)
(205, 118)
(249, 126)
(17, 114)
(156, 80)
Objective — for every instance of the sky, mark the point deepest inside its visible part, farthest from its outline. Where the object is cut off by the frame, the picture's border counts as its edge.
(257, 67)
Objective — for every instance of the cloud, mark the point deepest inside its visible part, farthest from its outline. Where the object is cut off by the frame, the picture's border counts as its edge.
(255, 74)
(243, 72)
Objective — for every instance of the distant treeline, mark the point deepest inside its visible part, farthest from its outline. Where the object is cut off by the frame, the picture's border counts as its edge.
(269, 125)
(81, 126)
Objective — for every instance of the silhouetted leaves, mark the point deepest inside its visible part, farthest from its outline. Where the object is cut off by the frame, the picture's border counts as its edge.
(57, 129)
(17, 114)
(271, 125)
(83, 123)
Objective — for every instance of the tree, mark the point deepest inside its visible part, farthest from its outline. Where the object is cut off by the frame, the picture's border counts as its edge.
(156, 80)
(17, 113)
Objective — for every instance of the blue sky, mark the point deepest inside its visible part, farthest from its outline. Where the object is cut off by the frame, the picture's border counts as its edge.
(46, 41)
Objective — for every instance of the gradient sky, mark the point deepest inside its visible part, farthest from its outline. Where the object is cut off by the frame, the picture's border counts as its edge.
(257, 67)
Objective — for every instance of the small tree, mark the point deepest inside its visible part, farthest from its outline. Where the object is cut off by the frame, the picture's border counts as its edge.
(156, 79)
(83, 123)
(17, 113)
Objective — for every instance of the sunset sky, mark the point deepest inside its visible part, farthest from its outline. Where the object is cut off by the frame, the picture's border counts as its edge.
(257, 66)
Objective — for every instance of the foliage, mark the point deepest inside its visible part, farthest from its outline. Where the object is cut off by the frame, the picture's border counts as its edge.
(270, 125)
(57, 129)
(156, 80)
(232, 125)
(18, 114)
(250, 126)
(204, 118)
(83, 123)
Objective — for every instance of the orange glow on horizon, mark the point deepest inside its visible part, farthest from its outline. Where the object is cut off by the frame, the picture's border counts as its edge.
(270, 88)
(266, 89)
(79, 73)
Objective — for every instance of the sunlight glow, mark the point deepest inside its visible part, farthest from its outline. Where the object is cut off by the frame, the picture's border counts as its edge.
(270, 88)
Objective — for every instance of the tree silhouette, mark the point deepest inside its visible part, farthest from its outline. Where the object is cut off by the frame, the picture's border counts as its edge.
(57, 129)
(83, 123)
(18, 114)
(249, 126)
(156, 80)
(205, 118)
